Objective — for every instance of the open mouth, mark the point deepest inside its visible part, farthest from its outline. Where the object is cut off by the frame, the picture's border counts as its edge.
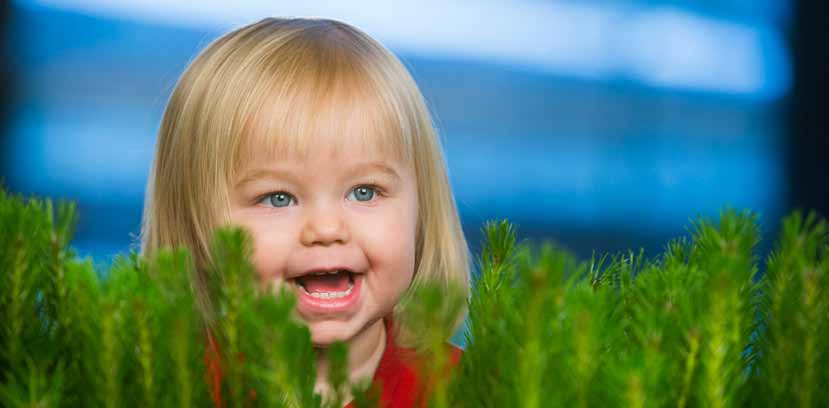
(335, 284)
(328, 291)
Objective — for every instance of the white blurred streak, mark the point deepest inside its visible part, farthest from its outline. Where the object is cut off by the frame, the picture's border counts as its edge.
(663, 47)
(671, 48)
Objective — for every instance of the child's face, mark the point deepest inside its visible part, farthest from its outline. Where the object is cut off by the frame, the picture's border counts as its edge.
(344, 209)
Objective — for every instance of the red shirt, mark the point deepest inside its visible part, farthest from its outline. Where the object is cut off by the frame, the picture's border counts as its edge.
(397, 378)
(397, 375)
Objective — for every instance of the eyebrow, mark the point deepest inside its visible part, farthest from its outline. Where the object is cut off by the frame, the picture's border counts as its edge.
(364, 168)
(360, 169)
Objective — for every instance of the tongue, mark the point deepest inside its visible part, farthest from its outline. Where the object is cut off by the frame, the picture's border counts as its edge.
(325, 283)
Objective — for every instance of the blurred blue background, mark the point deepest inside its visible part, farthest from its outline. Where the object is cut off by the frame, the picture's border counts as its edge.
(602, 125)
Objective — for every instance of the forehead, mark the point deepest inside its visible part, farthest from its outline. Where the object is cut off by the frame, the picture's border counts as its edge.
(342, 148)
(316, 116)
(342, 127)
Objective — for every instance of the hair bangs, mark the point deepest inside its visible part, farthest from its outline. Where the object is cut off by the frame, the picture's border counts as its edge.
(325, 95)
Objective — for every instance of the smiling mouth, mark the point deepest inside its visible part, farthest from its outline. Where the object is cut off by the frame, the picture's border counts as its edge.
(326, 292)
(327, 285)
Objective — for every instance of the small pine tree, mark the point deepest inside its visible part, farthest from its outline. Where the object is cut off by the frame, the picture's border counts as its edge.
(698, 325)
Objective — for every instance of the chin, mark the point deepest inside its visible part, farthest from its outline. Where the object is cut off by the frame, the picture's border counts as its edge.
(323, 334)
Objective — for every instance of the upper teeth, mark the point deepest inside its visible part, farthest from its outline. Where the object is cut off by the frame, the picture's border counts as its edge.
(329, 272)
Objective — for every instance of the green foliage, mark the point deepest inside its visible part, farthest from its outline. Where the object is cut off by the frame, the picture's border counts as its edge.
(794, 348)
(698, 325)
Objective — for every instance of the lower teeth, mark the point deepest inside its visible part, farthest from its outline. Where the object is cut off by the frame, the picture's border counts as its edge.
(329, 295)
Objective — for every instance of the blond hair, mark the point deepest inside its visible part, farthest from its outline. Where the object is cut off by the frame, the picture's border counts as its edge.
(298, 78)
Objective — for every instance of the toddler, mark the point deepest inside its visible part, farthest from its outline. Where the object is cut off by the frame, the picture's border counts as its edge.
(314, 138)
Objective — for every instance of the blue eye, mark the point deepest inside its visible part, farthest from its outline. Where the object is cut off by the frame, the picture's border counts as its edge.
(363, 193)
(278, 199)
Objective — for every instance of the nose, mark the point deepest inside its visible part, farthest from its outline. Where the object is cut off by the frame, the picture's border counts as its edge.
(324, 226)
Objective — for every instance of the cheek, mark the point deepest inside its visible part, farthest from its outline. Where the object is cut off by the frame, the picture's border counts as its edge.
(394, 249)
(270, 250)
